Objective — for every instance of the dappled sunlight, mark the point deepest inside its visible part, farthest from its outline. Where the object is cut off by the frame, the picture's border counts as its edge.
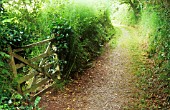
(122, 13)
(128, 37)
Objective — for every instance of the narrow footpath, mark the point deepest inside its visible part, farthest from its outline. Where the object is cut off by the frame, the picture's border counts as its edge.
(107, 85)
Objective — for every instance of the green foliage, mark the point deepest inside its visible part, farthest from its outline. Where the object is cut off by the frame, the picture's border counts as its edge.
(154, 26)
(59, 84)
(135, 5)
(124, 14)
(156, 20)
(63, 34)
(113, 42)
(5, 75)
(36, 102)
(15, 30)
(17, 101)
(160, 46)
(154, 74)
(20, 23)
(80, 31)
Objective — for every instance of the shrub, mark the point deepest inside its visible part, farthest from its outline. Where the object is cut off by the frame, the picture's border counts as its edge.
(155, 23)
(16, 30)
(90, 28)
(80, 30)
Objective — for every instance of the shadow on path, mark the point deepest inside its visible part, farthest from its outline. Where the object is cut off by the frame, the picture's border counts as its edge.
(107, 85)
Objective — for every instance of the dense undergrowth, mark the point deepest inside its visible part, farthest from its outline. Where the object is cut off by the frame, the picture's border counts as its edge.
(151, 55)
(154, 24)
(80, 30)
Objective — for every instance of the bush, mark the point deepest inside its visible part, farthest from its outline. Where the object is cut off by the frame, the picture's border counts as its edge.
(90, 28)
(160, 45)
(16, 30)
(80, 31)
(155, 21)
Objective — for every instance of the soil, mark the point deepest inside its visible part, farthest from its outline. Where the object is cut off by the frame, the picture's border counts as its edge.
(107, 85)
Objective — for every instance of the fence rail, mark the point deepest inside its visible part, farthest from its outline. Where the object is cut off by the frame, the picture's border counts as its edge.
(42, 70)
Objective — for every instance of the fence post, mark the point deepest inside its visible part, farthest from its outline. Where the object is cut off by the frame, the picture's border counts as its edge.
(13, 67)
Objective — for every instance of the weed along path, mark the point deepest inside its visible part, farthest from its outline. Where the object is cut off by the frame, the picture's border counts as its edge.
(107, 85)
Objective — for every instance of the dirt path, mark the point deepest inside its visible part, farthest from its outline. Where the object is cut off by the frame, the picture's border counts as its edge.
(108, 85)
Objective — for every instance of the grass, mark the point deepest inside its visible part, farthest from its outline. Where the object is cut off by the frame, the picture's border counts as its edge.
(151, 94)
(81, 29)
(137, 46)
(153, 80)
(113, 41)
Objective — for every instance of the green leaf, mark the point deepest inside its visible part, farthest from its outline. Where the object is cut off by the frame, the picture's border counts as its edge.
(18, 96)
(37, 100)
(4, 71)
(1, 64)
(3, 54)
(7, 20)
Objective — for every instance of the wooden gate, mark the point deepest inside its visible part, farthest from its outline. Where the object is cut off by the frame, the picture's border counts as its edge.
(43, 68)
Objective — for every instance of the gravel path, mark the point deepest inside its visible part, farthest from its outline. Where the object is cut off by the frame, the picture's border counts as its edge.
(108, 85)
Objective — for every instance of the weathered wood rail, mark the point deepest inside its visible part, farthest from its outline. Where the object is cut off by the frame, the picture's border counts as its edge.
(42, 70)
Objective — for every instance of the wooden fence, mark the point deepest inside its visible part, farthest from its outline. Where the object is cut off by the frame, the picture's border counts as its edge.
(43, 68)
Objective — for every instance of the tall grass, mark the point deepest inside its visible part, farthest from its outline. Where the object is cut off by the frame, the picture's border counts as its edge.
(91, 27)
(81, 28)
(154, 26)
(151, 59)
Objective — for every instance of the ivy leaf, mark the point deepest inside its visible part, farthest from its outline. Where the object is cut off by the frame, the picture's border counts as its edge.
(4, 71)
(37, 100)
(7, 20)
(2, 64)
(4, 55)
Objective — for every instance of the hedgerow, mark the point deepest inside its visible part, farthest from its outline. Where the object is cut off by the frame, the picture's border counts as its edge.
(80, 31)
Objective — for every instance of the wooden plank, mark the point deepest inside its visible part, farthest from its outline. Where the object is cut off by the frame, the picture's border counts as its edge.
(58, 68)
(12, 62)
(34, 80)
(48, 47)
(20, 65)
(26, 61)
(13, 67)
(44, 71)
(48, 65)
(27, 77)
(48, 52)
(41, 56)
(38, 69)
(35, 59)
(51, 63)
(56, 71)
(56, 74)
(34, 87)
(43, 91)
(33, 44)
